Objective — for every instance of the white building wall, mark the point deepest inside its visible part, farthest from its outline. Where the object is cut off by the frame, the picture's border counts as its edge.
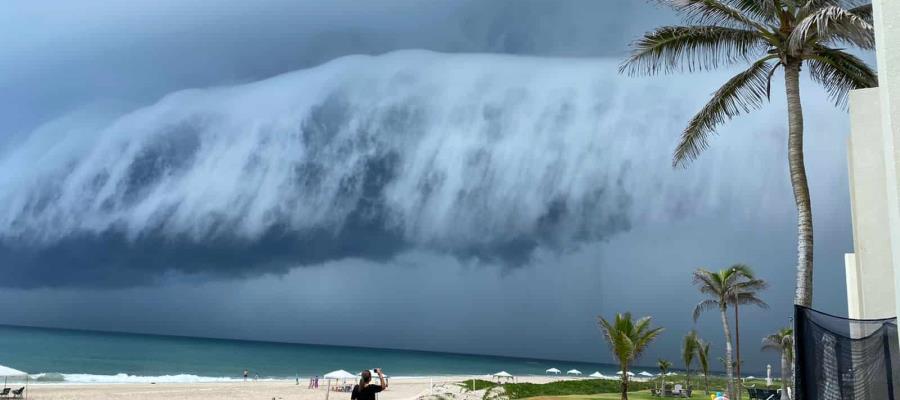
(870, 276)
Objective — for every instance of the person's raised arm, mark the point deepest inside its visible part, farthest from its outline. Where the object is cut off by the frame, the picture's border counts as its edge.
(381, 378)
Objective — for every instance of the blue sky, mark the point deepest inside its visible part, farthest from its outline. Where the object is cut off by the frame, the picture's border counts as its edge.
(474, 177)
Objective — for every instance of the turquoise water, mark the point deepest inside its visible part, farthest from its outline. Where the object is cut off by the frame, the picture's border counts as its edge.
(87, 356)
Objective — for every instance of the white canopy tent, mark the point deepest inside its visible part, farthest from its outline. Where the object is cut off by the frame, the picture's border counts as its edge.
(573, 372)
(7, 372)
(336, 375)
(339, 374)
(502, 375)
(553, 371)
(596, 375)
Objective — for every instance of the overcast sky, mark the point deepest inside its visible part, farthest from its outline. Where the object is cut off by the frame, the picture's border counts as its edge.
(481, 174)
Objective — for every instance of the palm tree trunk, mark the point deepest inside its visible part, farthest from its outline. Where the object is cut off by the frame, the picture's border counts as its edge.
(706, 381)
(785, 368)
(624, 382)
(737, 348)
(729, 367)
(803, 295)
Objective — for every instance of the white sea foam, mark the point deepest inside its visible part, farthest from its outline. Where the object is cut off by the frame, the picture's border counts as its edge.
(126, 378)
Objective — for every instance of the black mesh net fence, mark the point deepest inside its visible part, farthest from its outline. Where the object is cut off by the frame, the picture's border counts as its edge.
(842, 358)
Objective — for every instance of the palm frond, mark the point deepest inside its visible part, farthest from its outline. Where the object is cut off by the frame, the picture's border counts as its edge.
(864, 11)
(704, 305)
(744, 92)
(828, 24)
(765, 11)
(713, 12)
(840, 72)
(691, 48)
(750, 299)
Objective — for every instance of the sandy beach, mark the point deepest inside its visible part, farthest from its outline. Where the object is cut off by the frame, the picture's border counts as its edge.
(399, 389)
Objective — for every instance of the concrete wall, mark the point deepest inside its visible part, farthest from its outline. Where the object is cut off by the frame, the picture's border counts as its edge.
(870, 276)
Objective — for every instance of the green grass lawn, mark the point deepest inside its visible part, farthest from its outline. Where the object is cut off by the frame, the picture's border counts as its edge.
(642, 395)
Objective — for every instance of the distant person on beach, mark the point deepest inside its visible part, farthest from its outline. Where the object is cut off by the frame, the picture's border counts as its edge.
(365, 390)
(317, 383)
(245, 375)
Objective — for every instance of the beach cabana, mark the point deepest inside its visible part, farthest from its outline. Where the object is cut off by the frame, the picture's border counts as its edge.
(596, 375)
(7, 372)
(502, 375)
(336, 375)
(573, 372)
(553, 371)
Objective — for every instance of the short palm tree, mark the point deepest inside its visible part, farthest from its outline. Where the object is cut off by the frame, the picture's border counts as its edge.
(627, 340)
(703, 360)
(767, 34)
(664, 366)
(721, 288)
(689, 349)
(783, 343)
(745, 294)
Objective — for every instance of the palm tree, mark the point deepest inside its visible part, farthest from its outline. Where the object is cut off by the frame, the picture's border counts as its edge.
(744, 294)
(782, 342)
(688, 350)
(664, 366)
(722, 287)
(767, 34)
(627, 340)
(703, 360)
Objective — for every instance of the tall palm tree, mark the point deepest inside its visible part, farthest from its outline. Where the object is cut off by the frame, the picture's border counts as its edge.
(767, 34)
(746, 293)
(689, 349)
(664, 366)
(627, 340)
(703, 360)
(721, 288)
(783, 343)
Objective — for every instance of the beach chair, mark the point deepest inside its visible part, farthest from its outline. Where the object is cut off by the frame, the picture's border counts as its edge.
(677, 390)
(4, 392)
(17, 394)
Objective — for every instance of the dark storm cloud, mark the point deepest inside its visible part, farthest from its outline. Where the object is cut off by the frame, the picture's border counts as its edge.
(652, 225)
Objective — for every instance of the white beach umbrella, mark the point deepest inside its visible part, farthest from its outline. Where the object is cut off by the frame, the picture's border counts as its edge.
(629, 373)
(503, 374)
(596, 375)
(553, 371)
(671, 374)
(645, 373)
(573, 372)
(750, 377)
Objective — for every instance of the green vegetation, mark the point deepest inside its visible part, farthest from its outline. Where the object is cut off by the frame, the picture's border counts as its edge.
(627, 340)
(573, 387)
(727, 286)
(783, 343)
(703, 359)
(477, 384)
(689, 348)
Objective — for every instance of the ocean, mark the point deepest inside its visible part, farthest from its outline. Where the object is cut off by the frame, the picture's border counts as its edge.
(77, 356)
